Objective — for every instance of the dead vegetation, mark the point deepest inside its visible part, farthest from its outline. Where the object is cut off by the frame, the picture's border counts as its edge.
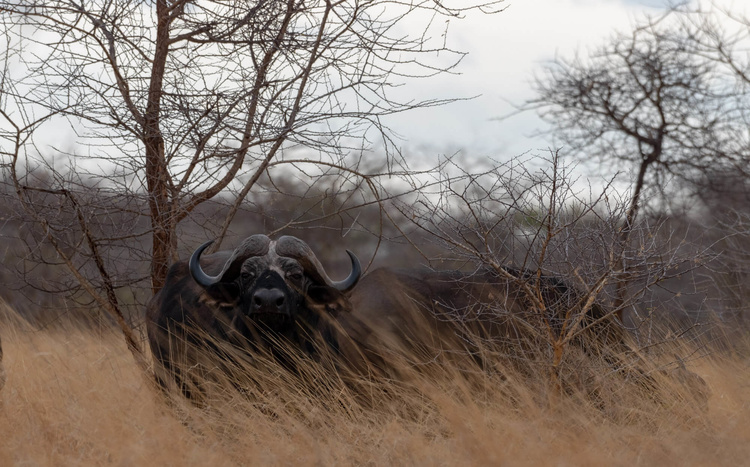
(74, 397)
(77, 246)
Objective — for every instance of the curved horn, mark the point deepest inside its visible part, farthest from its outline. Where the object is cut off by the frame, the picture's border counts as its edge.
(349, 283)
(203, 279)
(293, 247)
(256, 245)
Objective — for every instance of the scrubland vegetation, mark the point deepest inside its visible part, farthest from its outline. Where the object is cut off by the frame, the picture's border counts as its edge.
(161, 164)
(75, 394)
(76, 397)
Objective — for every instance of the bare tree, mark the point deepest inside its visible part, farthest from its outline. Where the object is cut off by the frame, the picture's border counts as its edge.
(174, 103)
(530, 223)
(643, 99)
(721, 36)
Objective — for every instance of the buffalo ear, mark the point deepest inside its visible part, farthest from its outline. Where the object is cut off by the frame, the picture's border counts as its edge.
(224, 291)
(333, 300)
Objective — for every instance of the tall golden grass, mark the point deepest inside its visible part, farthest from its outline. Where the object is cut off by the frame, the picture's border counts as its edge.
(75, 397)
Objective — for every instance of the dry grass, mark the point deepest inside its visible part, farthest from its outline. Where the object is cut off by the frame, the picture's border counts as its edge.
(75, 398)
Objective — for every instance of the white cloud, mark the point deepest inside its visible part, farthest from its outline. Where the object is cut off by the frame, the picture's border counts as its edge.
(504, 51)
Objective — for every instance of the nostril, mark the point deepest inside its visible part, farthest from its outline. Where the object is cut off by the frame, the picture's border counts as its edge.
(269, 300)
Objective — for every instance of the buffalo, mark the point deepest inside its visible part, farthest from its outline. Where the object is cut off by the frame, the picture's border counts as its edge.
(260, 297)
(267, 296)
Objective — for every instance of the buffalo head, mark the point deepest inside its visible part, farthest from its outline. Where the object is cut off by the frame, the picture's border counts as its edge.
(272, 282)
(259, 294)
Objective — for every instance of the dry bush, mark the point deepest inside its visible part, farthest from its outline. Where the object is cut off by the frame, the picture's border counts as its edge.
(76, 398)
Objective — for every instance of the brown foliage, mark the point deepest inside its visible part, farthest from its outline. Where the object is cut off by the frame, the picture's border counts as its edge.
(77, 398)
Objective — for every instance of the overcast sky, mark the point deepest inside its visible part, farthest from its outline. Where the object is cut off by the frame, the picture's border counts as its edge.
(504, 51)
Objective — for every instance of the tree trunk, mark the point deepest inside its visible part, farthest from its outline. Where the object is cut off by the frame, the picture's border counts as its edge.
(630, 218)
(634, 207)
(157, 175)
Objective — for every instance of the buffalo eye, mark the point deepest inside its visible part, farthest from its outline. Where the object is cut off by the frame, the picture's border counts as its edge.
(294, 276)
(247, 276)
